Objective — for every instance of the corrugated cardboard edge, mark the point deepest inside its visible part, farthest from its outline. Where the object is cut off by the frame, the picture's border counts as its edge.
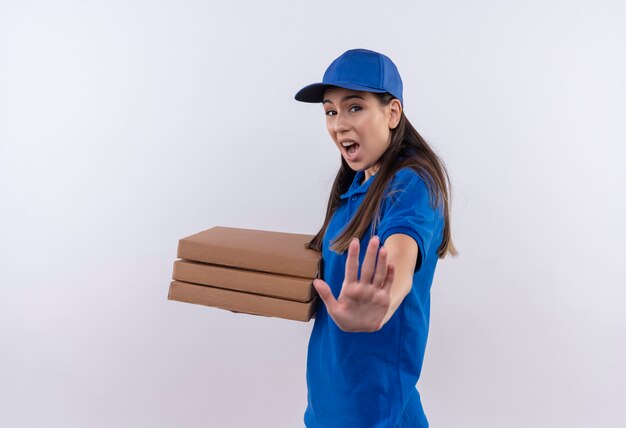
(318, 274)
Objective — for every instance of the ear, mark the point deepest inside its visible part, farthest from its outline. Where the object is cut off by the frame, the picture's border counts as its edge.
(395, 112)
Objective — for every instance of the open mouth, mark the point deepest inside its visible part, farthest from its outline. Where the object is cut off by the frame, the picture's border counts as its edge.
(351, 150)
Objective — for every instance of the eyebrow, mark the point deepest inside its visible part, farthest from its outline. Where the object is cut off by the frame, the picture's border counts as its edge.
(347, 97)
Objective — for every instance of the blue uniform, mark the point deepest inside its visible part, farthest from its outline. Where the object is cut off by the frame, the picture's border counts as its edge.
(368, 380)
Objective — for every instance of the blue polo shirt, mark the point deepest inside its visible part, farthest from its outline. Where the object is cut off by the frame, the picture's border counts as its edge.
(368, 380)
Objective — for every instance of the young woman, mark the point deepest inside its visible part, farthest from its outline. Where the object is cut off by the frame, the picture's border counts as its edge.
(387, 223)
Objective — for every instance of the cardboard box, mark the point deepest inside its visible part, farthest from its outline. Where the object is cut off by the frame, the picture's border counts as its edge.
(237, 301)
(263, 250)
(251, 271)
(264, 283)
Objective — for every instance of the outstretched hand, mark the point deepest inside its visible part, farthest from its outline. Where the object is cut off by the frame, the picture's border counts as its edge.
(362, 303)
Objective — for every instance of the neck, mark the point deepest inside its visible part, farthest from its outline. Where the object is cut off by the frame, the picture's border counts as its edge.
(370, 171)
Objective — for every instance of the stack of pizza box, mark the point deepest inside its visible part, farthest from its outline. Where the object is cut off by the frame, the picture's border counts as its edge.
(250, 271)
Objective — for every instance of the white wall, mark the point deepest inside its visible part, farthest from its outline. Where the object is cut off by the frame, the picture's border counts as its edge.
(127, 125)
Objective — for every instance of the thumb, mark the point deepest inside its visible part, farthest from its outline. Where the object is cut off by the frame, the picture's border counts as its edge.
(324, 291)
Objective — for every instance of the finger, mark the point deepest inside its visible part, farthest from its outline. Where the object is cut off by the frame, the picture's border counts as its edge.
(325, 293)
(381, 268)
(367, 270)
(352, 263)
(391, 273)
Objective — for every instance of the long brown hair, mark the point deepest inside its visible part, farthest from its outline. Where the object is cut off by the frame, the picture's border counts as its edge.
(407, 149)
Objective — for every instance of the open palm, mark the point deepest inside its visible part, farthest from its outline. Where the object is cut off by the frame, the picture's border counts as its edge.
(362, 303)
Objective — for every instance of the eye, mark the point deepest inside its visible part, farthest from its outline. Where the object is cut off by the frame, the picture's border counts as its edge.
(328, 112)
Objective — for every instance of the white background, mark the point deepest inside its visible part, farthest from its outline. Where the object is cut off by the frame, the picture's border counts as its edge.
(127, 125)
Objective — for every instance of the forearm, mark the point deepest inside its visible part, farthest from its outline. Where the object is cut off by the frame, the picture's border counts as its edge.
(399, 290)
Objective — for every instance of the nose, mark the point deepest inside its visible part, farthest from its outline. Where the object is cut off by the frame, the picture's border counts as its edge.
(341, 123)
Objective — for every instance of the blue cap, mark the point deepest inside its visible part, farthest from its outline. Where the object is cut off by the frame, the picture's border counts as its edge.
(358, 69)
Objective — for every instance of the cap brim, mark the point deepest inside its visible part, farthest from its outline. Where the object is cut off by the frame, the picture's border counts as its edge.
(314, 93)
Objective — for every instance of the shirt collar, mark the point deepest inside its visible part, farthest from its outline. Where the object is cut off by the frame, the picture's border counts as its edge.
(357, 188)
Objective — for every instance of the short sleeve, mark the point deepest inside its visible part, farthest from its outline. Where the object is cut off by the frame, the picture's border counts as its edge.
(406, 210)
